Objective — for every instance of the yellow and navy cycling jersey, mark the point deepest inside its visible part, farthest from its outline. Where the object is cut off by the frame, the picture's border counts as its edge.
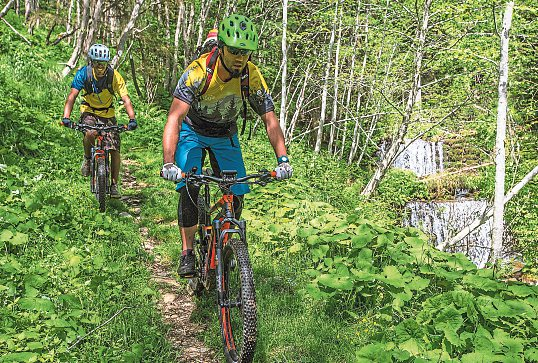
(215, 113)
(100, 102)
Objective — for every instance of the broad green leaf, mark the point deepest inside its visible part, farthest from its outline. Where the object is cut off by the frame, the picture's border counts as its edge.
(306, 232)
(6, 235)
(411, 346)
(393, 277)
(336, 282)
(479, 357)
(19, 239)
(25, 357)
(75, 260)
(38, 304)
(531, 355)
(373, 353)
(295, 248)
(521, 290)
(512, 345)
(313, 239)
(58, 323)
(408, 329)
(34, 345)
(451, 317)
(482, 283)
(418, 283)
(336, 237)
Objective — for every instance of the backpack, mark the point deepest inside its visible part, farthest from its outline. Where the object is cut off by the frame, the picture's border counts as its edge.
(88, 86)
(211, 61)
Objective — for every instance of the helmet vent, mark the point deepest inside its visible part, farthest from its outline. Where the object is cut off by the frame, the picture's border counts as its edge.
(237, 35)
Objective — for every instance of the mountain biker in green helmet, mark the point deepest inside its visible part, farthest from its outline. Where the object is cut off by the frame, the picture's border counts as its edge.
(203, 118)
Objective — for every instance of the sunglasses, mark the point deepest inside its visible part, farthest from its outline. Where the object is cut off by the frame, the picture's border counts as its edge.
(237, 51)
(100, 63)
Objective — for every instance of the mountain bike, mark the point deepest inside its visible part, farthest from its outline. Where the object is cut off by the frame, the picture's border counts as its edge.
(222, 261)
(100, 161)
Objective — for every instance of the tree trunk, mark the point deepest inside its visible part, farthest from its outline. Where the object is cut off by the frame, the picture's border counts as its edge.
(95, 21)
(407, 116)
(355, 140)
(187, 35)
(69, 24)
(29, 7)
(204, 11)
(319, 137)
(133, 74)
(175, 71)
(284, 66)
(500, 153)
(330, 147)
(168, 60)
(6, 8)
(488, 213)
(72, 62)
(126, 32)
(350, 81)
(298, 106)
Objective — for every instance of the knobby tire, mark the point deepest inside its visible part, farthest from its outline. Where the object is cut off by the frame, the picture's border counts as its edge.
(238, 324)
(101, 184)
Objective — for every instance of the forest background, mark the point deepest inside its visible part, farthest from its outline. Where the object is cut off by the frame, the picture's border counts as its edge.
(355, 75)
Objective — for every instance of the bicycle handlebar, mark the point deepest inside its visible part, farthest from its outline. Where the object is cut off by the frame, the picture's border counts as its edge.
(263, 176)
(84, 127)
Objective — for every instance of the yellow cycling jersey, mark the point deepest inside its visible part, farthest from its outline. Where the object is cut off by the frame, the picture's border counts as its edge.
(215, 113)
(99, 102)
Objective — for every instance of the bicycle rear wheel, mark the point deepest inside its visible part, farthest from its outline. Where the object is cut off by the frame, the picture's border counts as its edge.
(101, 184)
(238, 315)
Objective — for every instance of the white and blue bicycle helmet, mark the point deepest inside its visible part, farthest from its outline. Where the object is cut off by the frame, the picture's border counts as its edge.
(99, 52)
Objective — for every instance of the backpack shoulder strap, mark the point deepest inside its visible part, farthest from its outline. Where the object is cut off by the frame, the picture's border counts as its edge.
(110, 80)
(88, 87)
(244, 96)
(211, 61)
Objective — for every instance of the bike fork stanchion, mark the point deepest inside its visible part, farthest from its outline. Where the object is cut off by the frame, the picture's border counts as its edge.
(216, 226)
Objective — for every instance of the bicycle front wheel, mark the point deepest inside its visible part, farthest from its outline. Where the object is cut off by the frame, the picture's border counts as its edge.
(101, 184)
(238, 313)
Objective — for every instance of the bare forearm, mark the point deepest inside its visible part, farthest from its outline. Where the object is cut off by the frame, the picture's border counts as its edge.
(68, 108)
(178, 111)
(170, 138)
(128, 107)
(274, 133)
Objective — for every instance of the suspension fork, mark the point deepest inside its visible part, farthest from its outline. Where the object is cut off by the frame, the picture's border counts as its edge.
(223, 230)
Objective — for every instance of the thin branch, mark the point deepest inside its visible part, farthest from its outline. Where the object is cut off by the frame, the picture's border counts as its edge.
(81, 338)
(64, 35)
(16, 32)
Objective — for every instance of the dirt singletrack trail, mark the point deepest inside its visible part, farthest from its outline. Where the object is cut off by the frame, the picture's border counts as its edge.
(176, 304)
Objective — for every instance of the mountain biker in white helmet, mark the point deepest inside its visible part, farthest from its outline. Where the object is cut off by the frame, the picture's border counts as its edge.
(100, 83)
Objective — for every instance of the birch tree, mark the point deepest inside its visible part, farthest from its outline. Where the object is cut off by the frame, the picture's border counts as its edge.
(284, 67)
(319, 137)
(500, 153)
(126, 32)
(95, 20)
(398, 139)
(72, 62)
(335, 89)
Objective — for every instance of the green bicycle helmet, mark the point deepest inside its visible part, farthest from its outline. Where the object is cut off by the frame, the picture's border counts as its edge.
(238, 31)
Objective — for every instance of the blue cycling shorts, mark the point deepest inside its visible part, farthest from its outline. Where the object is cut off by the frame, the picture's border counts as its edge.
(228, 154)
